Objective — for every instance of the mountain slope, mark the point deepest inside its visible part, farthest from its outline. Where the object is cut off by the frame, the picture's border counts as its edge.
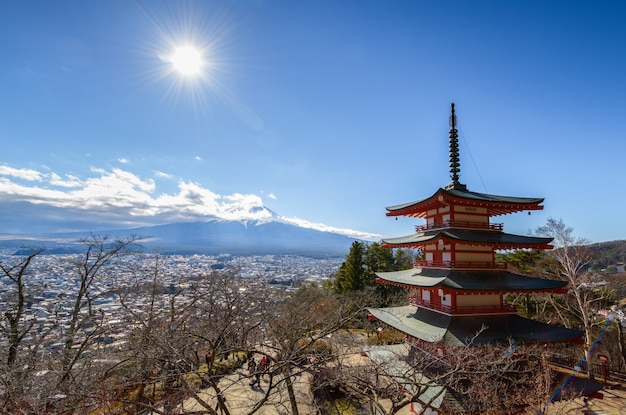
(210, 237)
(243, 238)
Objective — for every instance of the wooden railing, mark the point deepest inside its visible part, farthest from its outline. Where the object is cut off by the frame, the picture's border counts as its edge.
(460, 264)
(478, 309)
(460, 224)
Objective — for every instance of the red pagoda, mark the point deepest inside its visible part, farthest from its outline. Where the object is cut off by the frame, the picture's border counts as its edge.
(456, 286)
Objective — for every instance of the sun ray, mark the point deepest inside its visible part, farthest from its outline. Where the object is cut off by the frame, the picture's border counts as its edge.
(197, 55)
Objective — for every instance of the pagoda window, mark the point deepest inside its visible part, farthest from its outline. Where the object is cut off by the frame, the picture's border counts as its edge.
(431, 212)
(444, 209)
(429, 257)
(446, 300)
(445, 219)
(430, 221)
(425, 295)
(446, 257)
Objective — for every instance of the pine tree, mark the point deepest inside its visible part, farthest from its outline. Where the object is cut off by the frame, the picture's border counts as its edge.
(351, 274)
(377, 259)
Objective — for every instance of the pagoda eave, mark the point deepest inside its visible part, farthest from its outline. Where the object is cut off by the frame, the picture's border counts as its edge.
(414, 213)
(432, 327)
(405, 285)
(495, 205)
(495, 246)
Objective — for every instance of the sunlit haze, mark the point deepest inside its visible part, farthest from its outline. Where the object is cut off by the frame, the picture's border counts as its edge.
(124, 114)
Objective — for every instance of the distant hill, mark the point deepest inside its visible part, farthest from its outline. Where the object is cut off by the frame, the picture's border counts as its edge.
(606, 254)
(210, 237)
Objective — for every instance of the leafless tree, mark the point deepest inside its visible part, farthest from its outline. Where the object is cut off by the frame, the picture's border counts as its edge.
(46, 369)
(300, 332)
(85, 324)
(571, 264)
(184, 338)
(15, 326)
(482, 379)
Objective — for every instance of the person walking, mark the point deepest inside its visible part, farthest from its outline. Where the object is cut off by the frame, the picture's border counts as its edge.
(263, 366)
(252, 371)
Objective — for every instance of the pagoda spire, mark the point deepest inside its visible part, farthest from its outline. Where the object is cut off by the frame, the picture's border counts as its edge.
(455, 165)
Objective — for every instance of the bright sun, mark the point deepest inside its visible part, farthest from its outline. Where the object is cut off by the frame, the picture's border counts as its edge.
(187, 60)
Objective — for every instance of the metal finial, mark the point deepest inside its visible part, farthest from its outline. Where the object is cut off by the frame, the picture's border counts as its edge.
(454, 149)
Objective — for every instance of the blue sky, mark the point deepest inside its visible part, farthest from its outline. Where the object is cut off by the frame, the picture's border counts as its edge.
(323, 111)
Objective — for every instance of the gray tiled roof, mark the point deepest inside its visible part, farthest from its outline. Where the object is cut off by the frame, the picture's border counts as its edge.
(475, 196)
(495, 280)
(431, 326)
(479, 236)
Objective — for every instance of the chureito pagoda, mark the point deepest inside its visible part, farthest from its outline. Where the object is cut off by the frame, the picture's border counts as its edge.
(457, 289)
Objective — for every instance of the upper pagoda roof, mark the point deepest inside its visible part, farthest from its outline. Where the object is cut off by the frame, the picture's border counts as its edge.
(431, 326)
(495, 204)
(456, 193)
(494, 281)
(499, 240)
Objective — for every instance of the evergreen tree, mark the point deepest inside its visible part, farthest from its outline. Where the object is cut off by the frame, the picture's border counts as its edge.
(403, 259)
(364, 261)
(351, 274)
(527, 262)
(377, 259)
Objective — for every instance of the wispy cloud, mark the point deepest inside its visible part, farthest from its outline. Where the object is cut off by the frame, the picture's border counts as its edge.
(69, 181)
(25, 174)
(163, 175)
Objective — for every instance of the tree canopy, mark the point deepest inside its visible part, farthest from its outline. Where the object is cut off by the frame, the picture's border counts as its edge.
(362, 263)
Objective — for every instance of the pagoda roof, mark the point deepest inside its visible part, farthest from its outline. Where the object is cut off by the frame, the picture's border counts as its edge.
(500, 240)
(495, 204)
(433, 327)
(494, 281)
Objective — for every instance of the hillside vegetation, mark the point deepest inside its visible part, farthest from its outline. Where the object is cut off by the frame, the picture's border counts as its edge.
(607, 254)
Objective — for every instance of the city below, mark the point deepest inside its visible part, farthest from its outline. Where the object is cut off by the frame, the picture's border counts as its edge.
(50, 283)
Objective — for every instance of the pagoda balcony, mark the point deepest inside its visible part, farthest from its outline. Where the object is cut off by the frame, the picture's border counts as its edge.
(459, 264)
(463, 310)
(460, 224)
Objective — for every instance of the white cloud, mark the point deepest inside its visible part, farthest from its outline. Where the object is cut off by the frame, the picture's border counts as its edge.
(26, 174)
(272, 196)
(120, 197)
(198, 158)
(69, 181)
(123, 160)
(161, 174)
